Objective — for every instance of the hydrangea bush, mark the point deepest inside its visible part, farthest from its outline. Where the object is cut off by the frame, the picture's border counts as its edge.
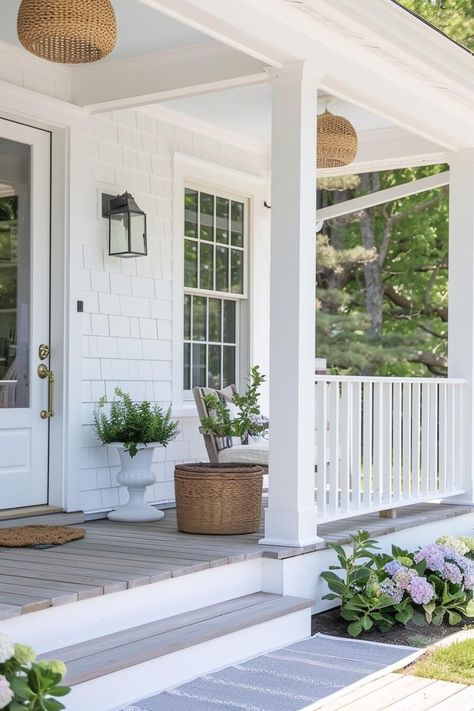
(431, 585)
(26, 683)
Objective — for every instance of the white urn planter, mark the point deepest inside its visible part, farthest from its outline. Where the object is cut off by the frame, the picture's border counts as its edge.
(136, 474)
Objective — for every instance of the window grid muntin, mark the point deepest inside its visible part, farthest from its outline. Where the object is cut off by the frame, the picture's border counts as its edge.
(223, 296)
(229, 246)
(207, 342)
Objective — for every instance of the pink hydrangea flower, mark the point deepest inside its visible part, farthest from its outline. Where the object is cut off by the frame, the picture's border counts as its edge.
(403, 578)
(452, 573)
(420, 590)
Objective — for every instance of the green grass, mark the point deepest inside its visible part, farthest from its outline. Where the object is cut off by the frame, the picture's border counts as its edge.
(452, 663)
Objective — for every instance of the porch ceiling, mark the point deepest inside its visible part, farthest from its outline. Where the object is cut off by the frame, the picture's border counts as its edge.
(408, 90)
(141, 30)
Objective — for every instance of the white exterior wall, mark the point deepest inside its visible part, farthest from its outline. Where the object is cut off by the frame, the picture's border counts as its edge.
(127, 324)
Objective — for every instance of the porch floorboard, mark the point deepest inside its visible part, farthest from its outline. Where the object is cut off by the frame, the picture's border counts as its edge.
(117, 556)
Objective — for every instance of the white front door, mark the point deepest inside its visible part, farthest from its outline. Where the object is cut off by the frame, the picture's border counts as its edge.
(26, 399)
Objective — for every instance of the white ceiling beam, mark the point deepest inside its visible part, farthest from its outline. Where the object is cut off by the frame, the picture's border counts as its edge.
(232, 23)
(383, 196)
(358, 64)
(389, 149)
(147, 79)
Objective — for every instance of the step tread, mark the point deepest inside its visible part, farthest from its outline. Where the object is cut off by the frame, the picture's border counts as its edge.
(114, 652)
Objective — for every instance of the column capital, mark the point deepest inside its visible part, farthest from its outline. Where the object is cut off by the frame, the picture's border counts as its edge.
(294, 72)
(465, 155)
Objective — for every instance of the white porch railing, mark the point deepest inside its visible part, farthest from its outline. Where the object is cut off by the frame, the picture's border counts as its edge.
(386, 442)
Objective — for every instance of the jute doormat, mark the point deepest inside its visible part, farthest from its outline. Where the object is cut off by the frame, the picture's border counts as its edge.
(24, 536)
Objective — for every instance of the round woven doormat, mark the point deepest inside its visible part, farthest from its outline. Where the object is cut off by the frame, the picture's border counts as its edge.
(24, 536)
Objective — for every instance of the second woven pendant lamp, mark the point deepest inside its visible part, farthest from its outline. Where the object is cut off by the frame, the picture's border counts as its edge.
(337, 141)
(67, 31)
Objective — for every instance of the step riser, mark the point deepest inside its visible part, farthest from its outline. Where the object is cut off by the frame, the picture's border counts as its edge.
(76, 622)
(114, 690)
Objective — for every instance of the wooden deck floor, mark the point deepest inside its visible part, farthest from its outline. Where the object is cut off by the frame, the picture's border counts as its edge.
(117, 556)
(397, 692)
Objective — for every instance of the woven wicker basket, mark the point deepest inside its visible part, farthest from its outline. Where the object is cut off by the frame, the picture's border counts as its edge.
(218, 498)
(67, 31)
(337, 141)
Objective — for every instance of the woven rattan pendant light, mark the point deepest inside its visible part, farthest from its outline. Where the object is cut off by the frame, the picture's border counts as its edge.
(67, 31)
(337, 141)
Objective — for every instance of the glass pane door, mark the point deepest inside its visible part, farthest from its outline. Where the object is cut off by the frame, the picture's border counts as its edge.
(15, 278)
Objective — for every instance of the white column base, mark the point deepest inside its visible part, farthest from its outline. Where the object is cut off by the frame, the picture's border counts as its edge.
(296, 529)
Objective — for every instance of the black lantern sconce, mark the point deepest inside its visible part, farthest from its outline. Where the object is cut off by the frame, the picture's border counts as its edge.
(127, 226)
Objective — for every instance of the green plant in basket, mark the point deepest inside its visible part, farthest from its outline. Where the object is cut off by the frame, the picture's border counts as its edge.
(247, 418)
(133, 423)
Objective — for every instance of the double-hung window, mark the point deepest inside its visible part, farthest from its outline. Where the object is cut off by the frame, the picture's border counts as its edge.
(215, 245)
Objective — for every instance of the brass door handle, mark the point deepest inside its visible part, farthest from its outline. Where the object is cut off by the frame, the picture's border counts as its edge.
(45, 372)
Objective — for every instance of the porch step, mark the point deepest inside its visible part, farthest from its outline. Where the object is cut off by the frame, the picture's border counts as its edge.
(114, 652)
(43, 516)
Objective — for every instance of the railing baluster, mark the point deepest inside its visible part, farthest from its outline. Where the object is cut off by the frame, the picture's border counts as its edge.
(345, 444)
(367, 444)
(397, 441)
(425, 438)
(457, 436)
(451, 442)
(406, 428)
(321, 447)
(356, 453)
(333, 437)
(433, 483)
(386, 425)
(415, 441)
(442, 438)
(378, 442)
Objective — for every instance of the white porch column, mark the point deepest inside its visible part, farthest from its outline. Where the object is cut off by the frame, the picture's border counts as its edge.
(290, 518)
(461, 302)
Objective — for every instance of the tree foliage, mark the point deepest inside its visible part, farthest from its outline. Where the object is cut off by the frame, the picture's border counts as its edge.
(382, 281)
(453, 17)
(382, 274)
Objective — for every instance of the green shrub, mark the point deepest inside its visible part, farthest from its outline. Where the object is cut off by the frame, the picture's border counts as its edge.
(133, 423)
(429, 586)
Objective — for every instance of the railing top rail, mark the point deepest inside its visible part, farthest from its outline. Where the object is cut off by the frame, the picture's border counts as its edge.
(377, 379)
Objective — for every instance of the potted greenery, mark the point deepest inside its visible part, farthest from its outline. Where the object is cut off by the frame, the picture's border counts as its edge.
(247, 420)
(135, 430)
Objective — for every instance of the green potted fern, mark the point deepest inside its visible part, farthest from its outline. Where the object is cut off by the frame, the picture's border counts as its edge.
(135, 430)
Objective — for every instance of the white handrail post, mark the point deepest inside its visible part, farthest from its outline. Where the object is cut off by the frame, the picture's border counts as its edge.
(290, 518)
(461, 307)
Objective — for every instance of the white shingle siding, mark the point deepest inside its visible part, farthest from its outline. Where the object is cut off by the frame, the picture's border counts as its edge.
(127, 321)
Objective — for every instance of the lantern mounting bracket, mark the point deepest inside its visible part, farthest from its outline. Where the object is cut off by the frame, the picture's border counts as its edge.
(106, 198)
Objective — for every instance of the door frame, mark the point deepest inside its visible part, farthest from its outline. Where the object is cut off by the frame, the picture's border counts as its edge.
(66, 125)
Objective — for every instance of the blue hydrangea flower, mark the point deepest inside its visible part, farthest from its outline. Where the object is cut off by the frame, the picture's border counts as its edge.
(393, 567)
(420, 590)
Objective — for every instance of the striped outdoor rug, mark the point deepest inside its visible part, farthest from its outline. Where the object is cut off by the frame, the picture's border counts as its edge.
(287, 679)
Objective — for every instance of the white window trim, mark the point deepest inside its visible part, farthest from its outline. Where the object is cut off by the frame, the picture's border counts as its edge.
(190, 171)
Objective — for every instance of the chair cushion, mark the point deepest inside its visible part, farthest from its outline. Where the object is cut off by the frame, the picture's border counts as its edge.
(246, 453)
